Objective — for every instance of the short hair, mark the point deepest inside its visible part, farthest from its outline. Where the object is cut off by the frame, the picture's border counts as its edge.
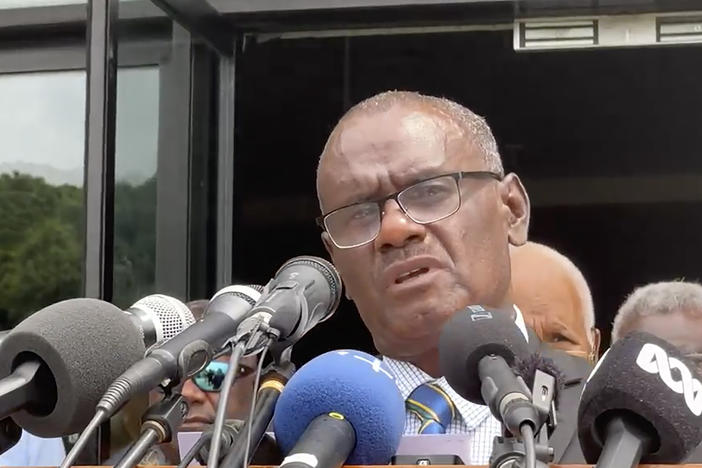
(197, 307)
(474, 125)
(578, 280)
(665, 297)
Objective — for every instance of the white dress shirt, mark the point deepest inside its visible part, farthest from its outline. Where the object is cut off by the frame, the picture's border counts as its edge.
(474, 420)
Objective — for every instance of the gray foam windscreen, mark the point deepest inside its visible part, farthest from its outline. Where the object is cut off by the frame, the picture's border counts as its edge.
(648, 379)
(86, 344)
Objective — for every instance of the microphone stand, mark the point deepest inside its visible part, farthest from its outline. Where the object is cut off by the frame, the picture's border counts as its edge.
(510, 452)
(10, 434)
(276, 376)
(159, 425)
(24, 385)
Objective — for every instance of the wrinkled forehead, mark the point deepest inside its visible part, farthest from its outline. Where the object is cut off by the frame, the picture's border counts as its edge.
(399, 145)
(681, 328)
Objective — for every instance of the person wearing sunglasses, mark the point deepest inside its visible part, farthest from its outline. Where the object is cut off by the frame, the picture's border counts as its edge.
(203, 389)
(202, 393)
(671, 310)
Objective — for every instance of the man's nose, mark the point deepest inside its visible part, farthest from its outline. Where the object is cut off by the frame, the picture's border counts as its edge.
(397, 229)
(192, 393)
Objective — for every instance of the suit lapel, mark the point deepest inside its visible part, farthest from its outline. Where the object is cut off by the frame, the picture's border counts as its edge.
(575, 371)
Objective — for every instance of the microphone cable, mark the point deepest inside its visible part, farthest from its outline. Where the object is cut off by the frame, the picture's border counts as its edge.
(260, 330)
(249, 423)
(529, 445)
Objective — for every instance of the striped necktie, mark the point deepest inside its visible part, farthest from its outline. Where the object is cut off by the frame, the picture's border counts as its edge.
(433, 407)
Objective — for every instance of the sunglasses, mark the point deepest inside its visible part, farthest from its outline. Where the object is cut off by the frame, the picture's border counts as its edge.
(210, 378)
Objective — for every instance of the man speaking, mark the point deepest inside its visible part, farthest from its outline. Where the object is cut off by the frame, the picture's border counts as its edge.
(418, 217)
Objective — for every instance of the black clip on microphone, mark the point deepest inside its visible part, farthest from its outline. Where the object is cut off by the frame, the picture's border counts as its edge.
(508, 451)
(159, 425)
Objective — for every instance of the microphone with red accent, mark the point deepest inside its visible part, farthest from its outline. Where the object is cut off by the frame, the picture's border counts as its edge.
(641, 404)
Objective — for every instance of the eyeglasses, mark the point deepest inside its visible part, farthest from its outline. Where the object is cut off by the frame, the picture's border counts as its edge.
(425, 202)
(211, 377)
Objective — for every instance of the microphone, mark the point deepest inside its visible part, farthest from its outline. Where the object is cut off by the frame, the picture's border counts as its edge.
(642, 403)
(159, 318)
(477, 349)
(272, 385)
(60, 360)
(186, 353)
(341, 407)
(304, 292)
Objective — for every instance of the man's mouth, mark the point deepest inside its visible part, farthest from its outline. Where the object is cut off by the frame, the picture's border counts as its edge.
(197, 421)
(411, 274)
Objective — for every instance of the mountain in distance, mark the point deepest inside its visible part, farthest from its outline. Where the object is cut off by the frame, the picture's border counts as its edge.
(56, 176)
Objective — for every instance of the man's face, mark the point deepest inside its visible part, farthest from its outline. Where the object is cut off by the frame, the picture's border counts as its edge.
(409, 281)
(551, 305)
(203, 405)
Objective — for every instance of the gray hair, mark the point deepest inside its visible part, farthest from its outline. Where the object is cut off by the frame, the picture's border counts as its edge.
(658, 299)
(471, 123)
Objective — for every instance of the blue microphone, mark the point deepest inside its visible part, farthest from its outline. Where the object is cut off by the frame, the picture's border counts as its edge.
(341, 407)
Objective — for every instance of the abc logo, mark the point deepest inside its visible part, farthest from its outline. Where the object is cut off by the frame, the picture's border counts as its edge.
(654, 360)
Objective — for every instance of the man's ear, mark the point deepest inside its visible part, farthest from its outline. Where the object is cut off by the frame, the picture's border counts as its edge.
(515, 199)
(596, 340)
(329, 247)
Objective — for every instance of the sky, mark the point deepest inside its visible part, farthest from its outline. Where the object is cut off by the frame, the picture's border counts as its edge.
(33, 3)
(42, 124)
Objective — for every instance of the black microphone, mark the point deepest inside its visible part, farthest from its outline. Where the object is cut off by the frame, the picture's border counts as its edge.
(641, 404)
(185, 354)
(304, 292)
(478, 347)
(58, 361)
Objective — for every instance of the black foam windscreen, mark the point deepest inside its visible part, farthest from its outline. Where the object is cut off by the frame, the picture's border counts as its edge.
(647, 380)
(527, 367)
(470, 335)
(85, 344)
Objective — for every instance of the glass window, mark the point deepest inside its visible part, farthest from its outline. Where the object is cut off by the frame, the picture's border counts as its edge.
(135, 185)
(7, 4)
(42, 122)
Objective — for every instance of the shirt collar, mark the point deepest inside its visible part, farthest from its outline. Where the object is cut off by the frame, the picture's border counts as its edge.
(408, 377)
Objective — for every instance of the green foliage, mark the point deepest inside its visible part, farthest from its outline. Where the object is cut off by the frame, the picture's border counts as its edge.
(135, 242)
(41, 244)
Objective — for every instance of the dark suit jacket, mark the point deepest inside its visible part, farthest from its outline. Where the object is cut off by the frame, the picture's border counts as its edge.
(564, 439)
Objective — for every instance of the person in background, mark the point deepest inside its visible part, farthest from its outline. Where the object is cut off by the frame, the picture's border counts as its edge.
(671, 310)
(34, 451)
(202, 394)
(202, 391)
(555, 299)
